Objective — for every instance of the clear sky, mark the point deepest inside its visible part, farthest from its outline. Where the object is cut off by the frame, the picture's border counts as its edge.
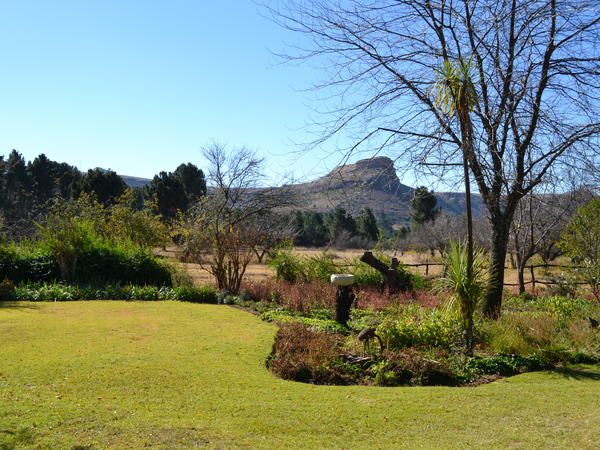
(139, 86)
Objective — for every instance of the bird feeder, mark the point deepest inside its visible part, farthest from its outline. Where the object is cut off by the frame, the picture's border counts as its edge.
(344, 297)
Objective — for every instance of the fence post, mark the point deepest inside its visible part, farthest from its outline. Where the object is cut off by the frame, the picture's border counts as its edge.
(532, 270)
(426, 267)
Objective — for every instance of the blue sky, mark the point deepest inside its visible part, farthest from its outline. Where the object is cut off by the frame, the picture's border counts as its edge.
(140, 86)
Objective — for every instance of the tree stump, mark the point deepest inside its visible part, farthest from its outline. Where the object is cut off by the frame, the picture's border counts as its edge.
(396, 280)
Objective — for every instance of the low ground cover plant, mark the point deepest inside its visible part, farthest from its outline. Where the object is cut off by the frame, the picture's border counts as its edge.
(57, 292)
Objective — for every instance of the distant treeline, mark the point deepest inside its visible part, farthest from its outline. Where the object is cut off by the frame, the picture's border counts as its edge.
(26, 188)
(340, 229)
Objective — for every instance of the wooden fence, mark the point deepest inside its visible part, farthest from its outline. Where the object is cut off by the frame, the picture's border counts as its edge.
(531, 268)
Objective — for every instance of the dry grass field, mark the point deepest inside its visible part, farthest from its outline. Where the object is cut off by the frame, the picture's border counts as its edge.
(260, 271)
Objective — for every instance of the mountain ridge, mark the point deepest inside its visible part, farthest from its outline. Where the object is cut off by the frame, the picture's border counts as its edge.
(371, 182)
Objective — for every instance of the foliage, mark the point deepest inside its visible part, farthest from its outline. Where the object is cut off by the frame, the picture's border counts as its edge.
(423, 206)
(366, 225)
(465, 284)
(99, 263)
(105, 185)
(66, 237)
(421, 328)
(282, 316)
(339, 222)
(36, 292)
(310, 229)
(581, 241)
(174, 192)
(503, 364)
(141, 227)
(7, 289)
(303, 354)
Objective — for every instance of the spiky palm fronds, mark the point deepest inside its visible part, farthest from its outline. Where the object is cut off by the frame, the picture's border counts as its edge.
(455, 89)
(466, 286)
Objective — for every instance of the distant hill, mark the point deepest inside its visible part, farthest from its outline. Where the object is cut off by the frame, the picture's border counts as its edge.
(371, 183)
(135, 182)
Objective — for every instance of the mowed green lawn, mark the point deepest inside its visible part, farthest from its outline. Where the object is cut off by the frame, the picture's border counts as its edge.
(176, 375)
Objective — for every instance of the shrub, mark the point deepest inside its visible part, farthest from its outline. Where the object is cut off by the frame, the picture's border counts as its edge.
(413, 367)
(66, 292)
(25, 264)
(287, 266)
(365, 275)
(503, 364)
(282, 316)
(7, 289)
(418, 327)
(319, 268)
(304, 354)
(203, 294)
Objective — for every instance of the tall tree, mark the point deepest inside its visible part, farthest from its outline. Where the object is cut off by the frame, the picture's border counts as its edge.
(535, 64)
(105, 184)
(338, 223)
(423, 206)
(192, 180)
(366, 225)
(41, 170)
(169, 194)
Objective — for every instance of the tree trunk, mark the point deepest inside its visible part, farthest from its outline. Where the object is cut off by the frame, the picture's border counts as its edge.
(521, 276)
(493, 299)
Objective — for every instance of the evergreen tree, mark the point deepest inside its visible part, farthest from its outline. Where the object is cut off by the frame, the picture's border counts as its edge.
(423, 206)
(169, 193)
(41, 171)
(366, 225)
(315, 233)
(192, 180)
(339, 221)
(105, 184)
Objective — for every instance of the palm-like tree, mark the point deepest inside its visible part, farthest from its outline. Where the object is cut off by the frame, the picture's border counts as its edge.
(455, 94)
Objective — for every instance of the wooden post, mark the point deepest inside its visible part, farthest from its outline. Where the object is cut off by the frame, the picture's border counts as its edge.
(532, 270)
(426, 267)
(344, 297)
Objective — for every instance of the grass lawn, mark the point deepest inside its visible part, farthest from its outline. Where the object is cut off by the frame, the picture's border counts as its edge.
(177, 375)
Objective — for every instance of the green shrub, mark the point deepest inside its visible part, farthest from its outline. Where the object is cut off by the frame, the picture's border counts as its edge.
(101, 264)
(319, 268)
(66, 292)
(503, 364)
(287, 266)
(422, 328)
(203, 294)
(412, 367)
(282, 316)
(365, 275)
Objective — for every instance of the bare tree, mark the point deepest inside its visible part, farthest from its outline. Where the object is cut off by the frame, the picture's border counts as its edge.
(220, 232)
(539, 221)
(535, 66)
(437, 234)
(272, 229)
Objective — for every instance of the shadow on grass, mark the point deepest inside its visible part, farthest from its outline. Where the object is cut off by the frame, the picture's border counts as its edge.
(18, 305)
(577, 373)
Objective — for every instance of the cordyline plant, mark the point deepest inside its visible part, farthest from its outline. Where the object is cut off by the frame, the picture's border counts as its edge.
(466, 285)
